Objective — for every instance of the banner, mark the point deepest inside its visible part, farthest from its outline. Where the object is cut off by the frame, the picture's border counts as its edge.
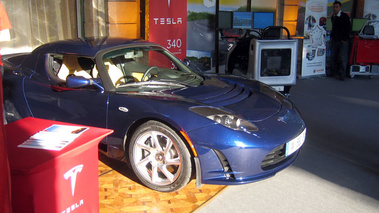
(314, 43)
(168, 25)
(371, 9)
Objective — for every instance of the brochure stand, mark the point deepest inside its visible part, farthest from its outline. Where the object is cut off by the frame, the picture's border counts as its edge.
(54, 166)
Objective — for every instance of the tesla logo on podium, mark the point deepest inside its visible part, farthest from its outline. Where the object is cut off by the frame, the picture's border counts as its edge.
(72, 173)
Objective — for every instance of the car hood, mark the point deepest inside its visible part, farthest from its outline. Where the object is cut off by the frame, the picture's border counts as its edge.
(254, 102)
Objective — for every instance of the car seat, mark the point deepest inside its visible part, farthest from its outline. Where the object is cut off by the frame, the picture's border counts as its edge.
(72, 65)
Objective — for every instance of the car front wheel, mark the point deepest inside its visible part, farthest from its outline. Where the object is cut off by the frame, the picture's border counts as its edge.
(159, 157)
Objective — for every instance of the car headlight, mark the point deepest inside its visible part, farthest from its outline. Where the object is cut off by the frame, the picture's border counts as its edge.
(225, 118)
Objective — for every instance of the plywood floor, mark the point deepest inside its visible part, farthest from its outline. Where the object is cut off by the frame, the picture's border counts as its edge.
(119, 192)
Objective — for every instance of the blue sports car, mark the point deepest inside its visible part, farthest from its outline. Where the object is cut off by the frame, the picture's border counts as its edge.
(170, 124)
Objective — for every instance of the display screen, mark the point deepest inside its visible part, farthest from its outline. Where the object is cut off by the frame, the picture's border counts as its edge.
(225, 20)
(242, 20)
(262, 20)
(358, 23)
(275, 62)
(328, 24)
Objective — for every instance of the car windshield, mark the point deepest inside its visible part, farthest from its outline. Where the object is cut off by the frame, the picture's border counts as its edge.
(141, 68)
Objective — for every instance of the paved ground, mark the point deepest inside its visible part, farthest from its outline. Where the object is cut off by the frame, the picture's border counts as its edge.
(338, 167)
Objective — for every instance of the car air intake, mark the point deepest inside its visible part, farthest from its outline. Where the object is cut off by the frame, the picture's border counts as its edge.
(275, 156)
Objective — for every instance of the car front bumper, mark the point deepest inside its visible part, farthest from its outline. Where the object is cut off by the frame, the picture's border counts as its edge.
(229, 157)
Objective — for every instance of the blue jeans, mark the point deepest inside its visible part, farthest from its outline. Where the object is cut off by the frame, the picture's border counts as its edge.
(338, 58)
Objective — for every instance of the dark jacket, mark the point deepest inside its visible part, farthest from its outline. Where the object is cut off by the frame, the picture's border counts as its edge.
(341, 27)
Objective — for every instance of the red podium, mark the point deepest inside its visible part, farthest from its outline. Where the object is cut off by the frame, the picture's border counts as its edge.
(51, 179)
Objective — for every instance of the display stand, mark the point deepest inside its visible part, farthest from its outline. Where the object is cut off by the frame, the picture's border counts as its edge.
(264, 56)
(365, 49)
(46, 179)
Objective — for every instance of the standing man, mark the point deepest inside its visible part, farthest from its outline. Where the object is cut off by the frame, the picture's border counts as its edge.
(340, 35)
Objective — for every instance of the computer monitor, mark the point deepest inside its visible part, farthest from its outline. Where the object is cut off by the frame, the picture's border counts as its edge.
(225, 20)
(358, 23)
(242, 20)
(328, 24)
(275, 61)
(262, 20)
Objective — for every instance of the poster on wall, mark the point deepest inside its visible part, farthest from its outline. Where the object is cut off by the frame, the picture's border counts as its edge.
(314, 43)
(168, 25)
(371, 9)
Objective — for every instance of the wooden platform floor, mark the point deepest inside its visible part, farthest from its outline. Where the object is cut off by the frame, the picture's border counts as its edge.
(119, 192)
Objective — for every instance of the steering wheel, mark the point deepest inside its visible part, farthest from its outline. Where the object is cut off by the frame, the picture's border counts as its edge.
(147, 73)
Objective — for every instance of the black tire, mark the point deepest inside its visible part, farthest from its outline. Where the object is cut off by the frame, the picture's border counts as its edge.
(157, 167)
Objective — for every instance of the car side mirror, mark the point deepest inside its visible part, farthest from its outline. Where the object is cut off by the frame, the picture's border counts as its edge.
(73, 81)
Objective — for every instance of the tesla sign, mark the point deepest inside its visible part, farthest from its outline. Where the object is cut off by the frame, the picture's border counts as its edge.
(168, 25)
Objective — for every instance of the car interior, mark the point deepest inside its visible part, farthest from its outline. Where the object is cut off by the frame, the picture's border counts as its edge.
(123, 66)
(65, 65)
(120, 70)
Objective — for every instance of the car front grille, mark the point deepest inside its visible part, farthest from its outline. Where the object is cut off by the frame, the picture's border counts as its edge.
(274, 157)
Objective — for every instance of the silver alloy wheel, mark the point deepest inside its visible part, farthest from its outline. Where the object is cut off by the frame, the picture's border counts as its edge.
(157, 158)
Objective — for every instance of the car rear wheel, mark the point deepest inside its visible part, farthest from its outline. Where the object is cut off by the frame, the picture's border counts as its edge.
(159, 157)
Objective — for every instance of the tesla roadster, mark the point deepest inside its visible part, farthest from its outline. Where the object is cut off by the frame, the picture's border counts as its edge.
(170, 124)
